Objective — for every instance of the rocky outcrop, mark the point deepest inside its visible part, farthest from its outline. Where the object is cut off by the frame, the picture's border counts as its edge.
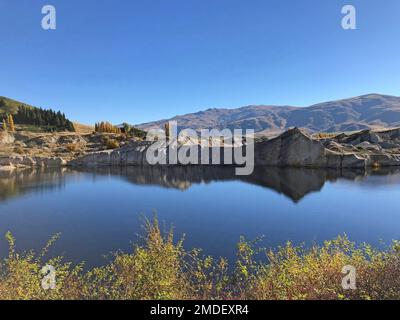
(27, 161)
(55, 140)
(6, 138)
(294, 148)
(378, 148)
(378, 138)
(131, 155)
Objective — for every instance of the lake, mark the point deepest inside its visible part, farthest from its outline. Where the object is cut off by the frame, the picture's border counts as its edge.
(102, 210)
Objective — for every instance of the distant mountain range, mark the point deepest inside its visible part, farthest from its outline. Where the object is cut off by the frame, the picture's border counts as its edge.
(372, 111)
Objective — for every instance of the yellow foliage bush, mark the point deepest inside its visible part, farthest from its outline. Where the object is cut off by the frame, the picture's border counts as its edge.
(161, 268)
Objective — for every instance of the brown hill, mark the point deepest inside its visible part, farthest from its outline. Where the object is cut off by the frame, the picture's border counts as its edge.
(372, 111)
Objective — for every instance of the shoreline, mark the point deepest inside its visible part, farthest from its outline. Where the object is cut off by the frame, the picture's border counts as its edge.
(294, 148)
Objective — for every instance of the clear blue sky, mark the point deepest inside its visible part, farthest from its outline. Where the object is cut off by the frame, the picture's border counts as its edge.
(143, 60)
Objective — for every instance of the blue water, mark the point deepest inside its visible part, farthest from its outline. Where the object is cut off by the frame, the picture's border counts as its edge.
(101, 212)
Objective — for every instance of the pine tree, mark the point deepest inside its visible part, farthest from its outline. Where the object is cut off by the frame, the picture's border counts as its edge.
(2, 103)
(11, 123)
(40, 117)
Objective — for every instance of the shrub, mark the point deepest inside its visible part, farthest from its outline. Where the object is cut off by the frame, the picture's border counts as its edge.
(109, 143)
(112, 144)
(160, 268)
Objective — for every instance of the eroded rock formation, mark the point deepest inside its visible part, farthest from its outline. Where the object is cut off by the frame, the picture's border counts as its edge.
(294, 148)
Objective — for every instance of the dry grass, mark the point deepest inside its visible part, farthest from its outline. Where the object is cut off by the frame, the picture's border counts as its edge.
(83, 128)
(325, 135)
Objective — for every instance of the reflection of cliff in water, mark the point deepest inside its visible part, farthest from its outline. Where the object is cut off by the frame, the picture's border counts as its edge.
(291, 182)
(17, 183)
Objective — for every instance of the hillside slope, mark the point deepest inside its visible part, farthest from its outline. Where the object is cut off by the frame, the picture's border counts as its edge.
(372, 111)
(8, 105)
(30, 118)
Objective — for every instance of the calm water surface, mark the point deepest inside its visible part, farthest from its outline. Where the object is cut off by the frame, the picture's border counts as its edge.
(101, 211)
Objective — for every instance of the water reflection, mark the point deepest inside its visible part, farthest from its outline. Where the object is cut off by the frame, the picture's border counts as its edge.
(16, 183)
(291, 182)
(100, 211)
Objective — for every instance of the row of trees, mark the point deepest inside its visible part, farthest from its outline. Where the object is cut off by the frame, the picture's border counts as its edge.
(8, 124)
(105, 126)
(43, 117)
